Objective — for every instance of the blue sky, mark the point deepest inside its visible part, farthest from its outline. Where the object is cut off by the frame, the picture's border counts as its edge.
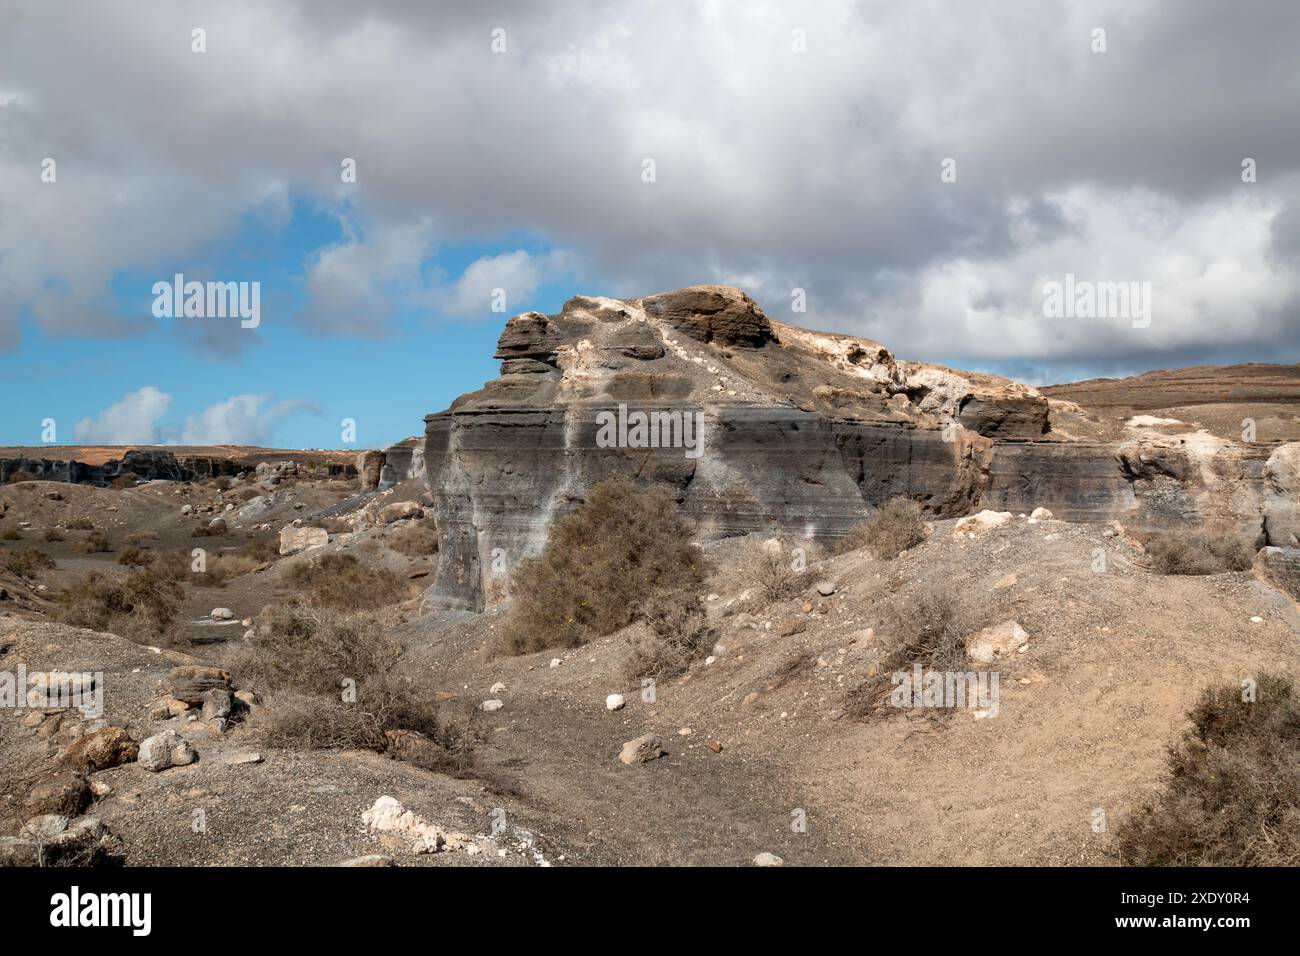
(386, 381)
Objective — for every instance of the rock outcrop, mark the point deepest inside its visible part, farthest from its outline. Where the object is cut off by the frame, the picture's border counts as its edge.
(756, 425)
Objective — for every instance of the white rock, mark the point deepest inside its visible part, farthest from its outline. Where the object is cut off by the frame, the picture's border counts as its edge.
(294, 539)
(1040, 514)
(614, 702)
(1000, 640)
(222, 614)
(1256, 620)
(497, 688)
(556, 662)
(768, 859)
(491, 705)
(971, 525)
(167, 749)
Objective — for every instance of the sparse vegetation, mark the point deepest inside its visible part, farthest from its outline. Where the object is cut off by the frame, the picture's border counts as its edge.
(128, 479)
(133, 557)
(11, 533)
(297, 660)
(600, 565)
(54, 534)
(417, 539)
(25, 562)
(772, 573)
(1232, 797)
(343, 581)
(80, 524)
(94, 543)
(677, 635)
(20, 475)
(896, 526)
(930, 629)
(141, 608)
(1195, 552)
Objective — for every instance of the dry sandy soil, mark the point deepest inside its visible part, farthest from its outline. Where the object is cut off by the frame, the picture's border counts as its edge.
(1113, 662)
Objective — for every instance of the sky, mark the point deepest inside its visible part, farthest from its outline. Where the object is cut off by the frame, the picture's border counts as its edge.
(920, 170)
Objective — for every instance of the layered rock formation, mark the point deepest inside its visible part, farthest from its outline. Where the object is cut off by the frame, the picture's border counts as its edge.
(145, 465)
(761, 426)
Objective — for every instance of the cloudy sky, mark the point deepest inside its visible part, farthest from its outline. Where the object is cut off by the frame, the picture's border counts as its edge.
(504, 146)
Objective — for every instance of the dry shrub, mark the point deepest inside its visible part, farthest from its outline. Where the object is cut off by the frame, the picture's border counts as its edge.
(676, 635)
(94, 543)
(311, 649)
(343, 581)
(599, 566)
(80, 524)
(133, 557)
(140, 608)
(223, 566)
(416, 540)
(1196, 552)
(896, 526)
(299, 658)
(11, 533)
(335, 525)
(772, 573)
(1232, 795)
(931, 628)
(54, 534)
(26, 562)
(128, 479)
(20, 475)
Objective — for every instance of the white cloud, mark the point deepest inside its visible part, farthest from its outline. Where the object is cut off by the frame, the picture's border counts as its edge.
(517, 274)
(240, 420)
(818, 170)
(135, 420)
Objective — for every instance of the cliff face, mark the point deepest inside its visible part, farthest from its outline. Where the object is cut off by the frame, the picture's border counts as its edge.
(761, 426)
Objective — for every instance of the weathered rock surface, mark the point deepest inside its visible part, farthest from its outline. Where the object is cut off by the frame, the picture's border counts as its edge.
(167, 749)
(370, 464)
(293, 540)
(758, 425)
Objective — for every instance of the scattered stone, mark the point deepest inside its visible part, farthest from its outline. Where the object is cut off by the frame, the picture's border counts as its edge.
(400, 510)
(247, 698)
(1006, 581)
(103, 749)
(222, 614)
(1000, 640)
(643, 749)
(293, 539)
(252, 756)
(715, 746)
(373, 859)
(491, 705)
(556, 662)
(685, 732)
(614, 702)
(768, 859)
(825, 588)
(976, 524)
(497, 688)
(792, 626)
(750, 699)
(217, 526)
(167, 749)
(66, 793)
(1039, 514)
(217, 703)
(389, 817)
(190, 682)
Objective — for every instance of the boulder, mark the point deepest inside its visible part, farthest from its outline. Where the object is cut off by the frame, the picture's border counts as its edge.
(643, 749)
(768, 859)
(102, 749)
(293, 540)
(1279, 568)
(614, 702)
(400, 510)
(190, 682)
(976, 524)
(66, 793)
(167, 749)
